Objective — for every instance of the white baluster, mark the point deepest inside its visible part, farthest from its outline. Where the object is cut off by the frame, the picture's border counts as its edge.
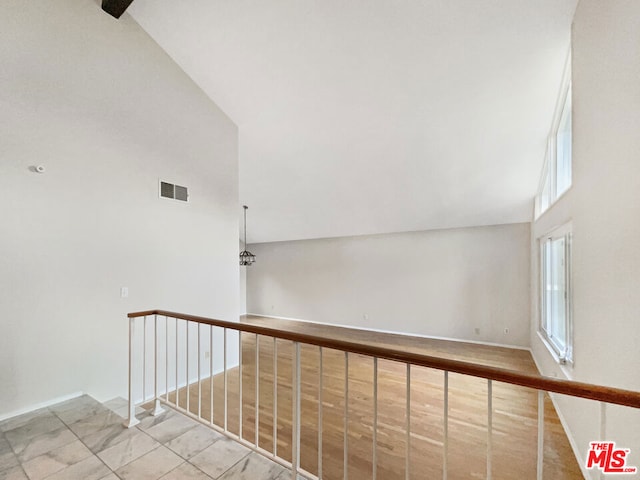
(177, 390)
(345, 461)
(240, 383)
(374, 475)
(320, 408)
(295, 397)
(540, 464)
(199, 374)
(257, 401)
(603, 427)
(224, 334)
(157, 409)
(489, 427)
(144, 360)
(407, 459)
(166, 359)
(445, 449)
(275, 397)
(211, 371)
(186, 327)
(132, 420)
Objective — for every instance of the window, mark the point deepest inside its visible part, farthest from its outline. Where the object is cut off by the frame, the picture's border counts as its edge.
(544, 198)
(563, 148)
(556, 174)
(555, 308)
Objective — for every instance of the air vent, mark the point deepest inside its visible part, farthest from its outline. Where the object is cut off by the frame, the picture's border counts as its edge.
(176, 192)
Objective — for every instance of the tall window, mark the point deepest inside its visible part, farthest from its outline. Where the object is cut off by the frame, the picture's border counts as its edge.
(563, 148)
(555, 318)
(556, 174)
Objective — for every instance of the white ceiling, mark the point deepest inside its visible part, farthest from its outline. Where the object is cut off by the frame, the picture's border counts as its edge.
(359, 117)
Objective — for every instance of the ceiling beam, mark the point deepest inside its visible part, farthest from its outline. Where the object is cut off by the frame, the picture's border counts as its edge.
(115, 8)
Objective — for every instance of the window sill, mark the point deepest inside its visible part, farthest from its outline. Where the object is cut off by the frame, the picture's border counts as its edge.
(552, 204)
(565, 365)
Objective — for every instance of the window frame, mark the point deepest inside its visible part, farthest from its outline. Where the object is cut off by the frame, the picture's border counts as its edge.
(564, 113)
(549, 174)
(562, 356)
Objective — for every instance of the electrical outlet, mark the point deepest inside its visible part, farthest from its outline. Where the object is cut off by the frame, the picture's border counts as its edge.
(506, 331)
(365, 316)
(476, 331)
(207, 354)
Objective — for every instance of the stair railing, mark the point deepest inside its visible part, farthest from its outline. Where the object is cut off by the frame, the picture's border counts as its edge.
(173, 346)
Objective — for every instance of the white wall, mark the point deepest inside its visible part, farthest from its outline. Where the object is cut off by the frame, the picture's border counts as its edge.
(442, 283)
(108, 113)
(604, 207)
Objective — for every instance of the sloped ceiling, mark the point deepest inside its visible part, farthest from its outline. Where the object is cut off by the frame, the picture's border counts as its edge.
(360, 117)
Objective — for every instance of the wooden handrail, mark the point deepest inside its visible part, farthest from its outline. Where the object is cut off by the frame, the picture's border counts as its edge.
(589, 391)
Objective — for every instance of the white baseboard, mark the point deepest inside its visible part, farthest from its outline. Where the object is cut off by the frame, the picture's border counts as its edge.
(38, 406)
(418, 335)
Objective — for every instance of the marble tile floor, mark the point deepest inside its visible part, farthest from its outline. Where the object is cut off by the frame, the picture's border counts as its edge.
(82, 439)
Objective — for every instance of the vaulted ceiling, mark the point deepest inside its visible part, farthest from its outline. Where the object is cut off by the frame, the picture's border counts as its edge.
(359, 117)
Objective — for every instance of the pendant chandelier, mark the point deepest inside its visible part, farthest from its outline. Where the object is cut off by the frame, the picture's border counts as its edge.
(246, 257)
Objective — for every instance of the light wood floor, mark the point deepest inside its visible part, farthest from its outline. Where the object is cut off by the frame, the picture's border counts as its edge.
(514, 436)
